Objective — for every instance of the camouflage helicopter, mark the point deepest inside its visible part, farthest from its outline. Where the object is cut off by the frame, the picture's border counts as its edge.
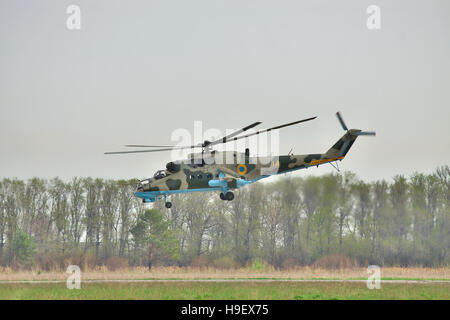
(210, 170)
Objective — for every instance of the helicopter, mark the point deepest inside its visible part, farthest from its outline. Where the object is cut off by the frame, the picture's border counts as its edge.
(214, 171)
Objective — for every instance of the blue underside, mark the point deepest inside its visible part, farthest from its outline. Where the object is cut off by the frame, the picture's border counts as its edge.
(152, 196)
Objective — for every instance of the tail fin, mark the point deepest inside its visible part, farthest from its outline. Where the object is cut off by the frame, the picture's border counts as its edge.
(341, 147)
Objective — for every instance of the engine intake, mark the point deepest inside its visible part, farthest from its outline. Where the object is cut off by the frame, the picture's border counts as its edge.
(172, 167)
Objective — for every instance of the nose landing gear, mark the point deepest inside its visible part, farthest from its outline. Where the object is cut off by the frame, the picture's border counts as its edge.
(167, 204)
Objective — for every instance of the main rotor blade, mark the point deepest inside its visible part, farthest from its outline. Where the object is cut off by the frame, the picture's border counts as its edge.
(153, 150)
(145, 146)
(341, 120)
(221, 140)
(270, 129)
(225, 139)
(201, 145)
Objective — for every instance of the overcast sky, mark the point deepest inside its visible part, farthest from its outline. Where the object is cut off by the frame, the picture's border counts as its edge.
(137, 70)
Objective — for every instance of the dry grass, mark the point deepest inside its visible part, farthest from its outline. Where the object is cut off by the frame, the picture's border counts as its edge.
(102, 273)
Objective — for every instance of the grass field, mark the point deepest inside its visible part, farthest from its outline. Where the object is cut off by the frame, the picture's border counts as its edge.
(225, 290)
(243, 289)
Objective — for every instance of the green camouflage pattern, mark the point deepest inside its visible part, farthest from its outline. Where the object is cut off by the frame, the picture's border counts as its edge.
(188, 175)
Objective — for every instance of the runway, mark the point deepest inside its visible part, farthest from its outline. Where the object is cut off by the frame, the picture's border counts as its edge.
(224, 280)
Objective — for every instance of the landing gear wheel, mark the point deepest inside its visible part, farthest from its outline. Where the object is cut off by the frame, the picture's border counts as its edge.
(229, 195)
(168, 204)
(222, 196)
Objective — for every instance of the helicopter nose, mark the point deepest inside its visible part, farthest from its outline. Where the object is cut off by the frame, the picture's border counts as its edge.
(143, 184)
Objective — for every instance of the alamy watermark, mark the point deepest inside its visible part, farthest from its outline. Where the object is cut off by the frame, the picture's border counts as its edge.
(374, 280)
(264, 146)
(374, 19)
(74, 279)
(73, 21)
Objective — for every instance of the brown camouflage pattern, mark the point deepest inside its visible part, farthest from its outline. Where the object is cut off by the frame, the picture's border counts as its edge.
(183, 176)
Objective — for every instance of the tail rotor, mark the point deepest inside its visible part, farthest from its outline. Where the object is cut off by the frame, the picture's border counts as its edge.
(365, 133)
(354, 132)
(350, 136)
(341, 120)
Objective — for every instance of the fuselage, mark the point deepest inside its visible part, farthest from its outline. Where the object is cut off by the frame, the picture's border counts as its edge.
(224, 171)
(219, 176)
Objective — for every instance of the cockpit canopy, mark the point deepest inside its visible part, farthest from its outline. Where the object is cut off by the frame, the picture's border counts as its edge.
(160, 174)
(144, 184)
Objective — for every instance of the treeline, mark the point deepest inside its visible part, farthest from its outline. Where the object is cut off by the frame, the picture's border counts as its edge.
(48, 224)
